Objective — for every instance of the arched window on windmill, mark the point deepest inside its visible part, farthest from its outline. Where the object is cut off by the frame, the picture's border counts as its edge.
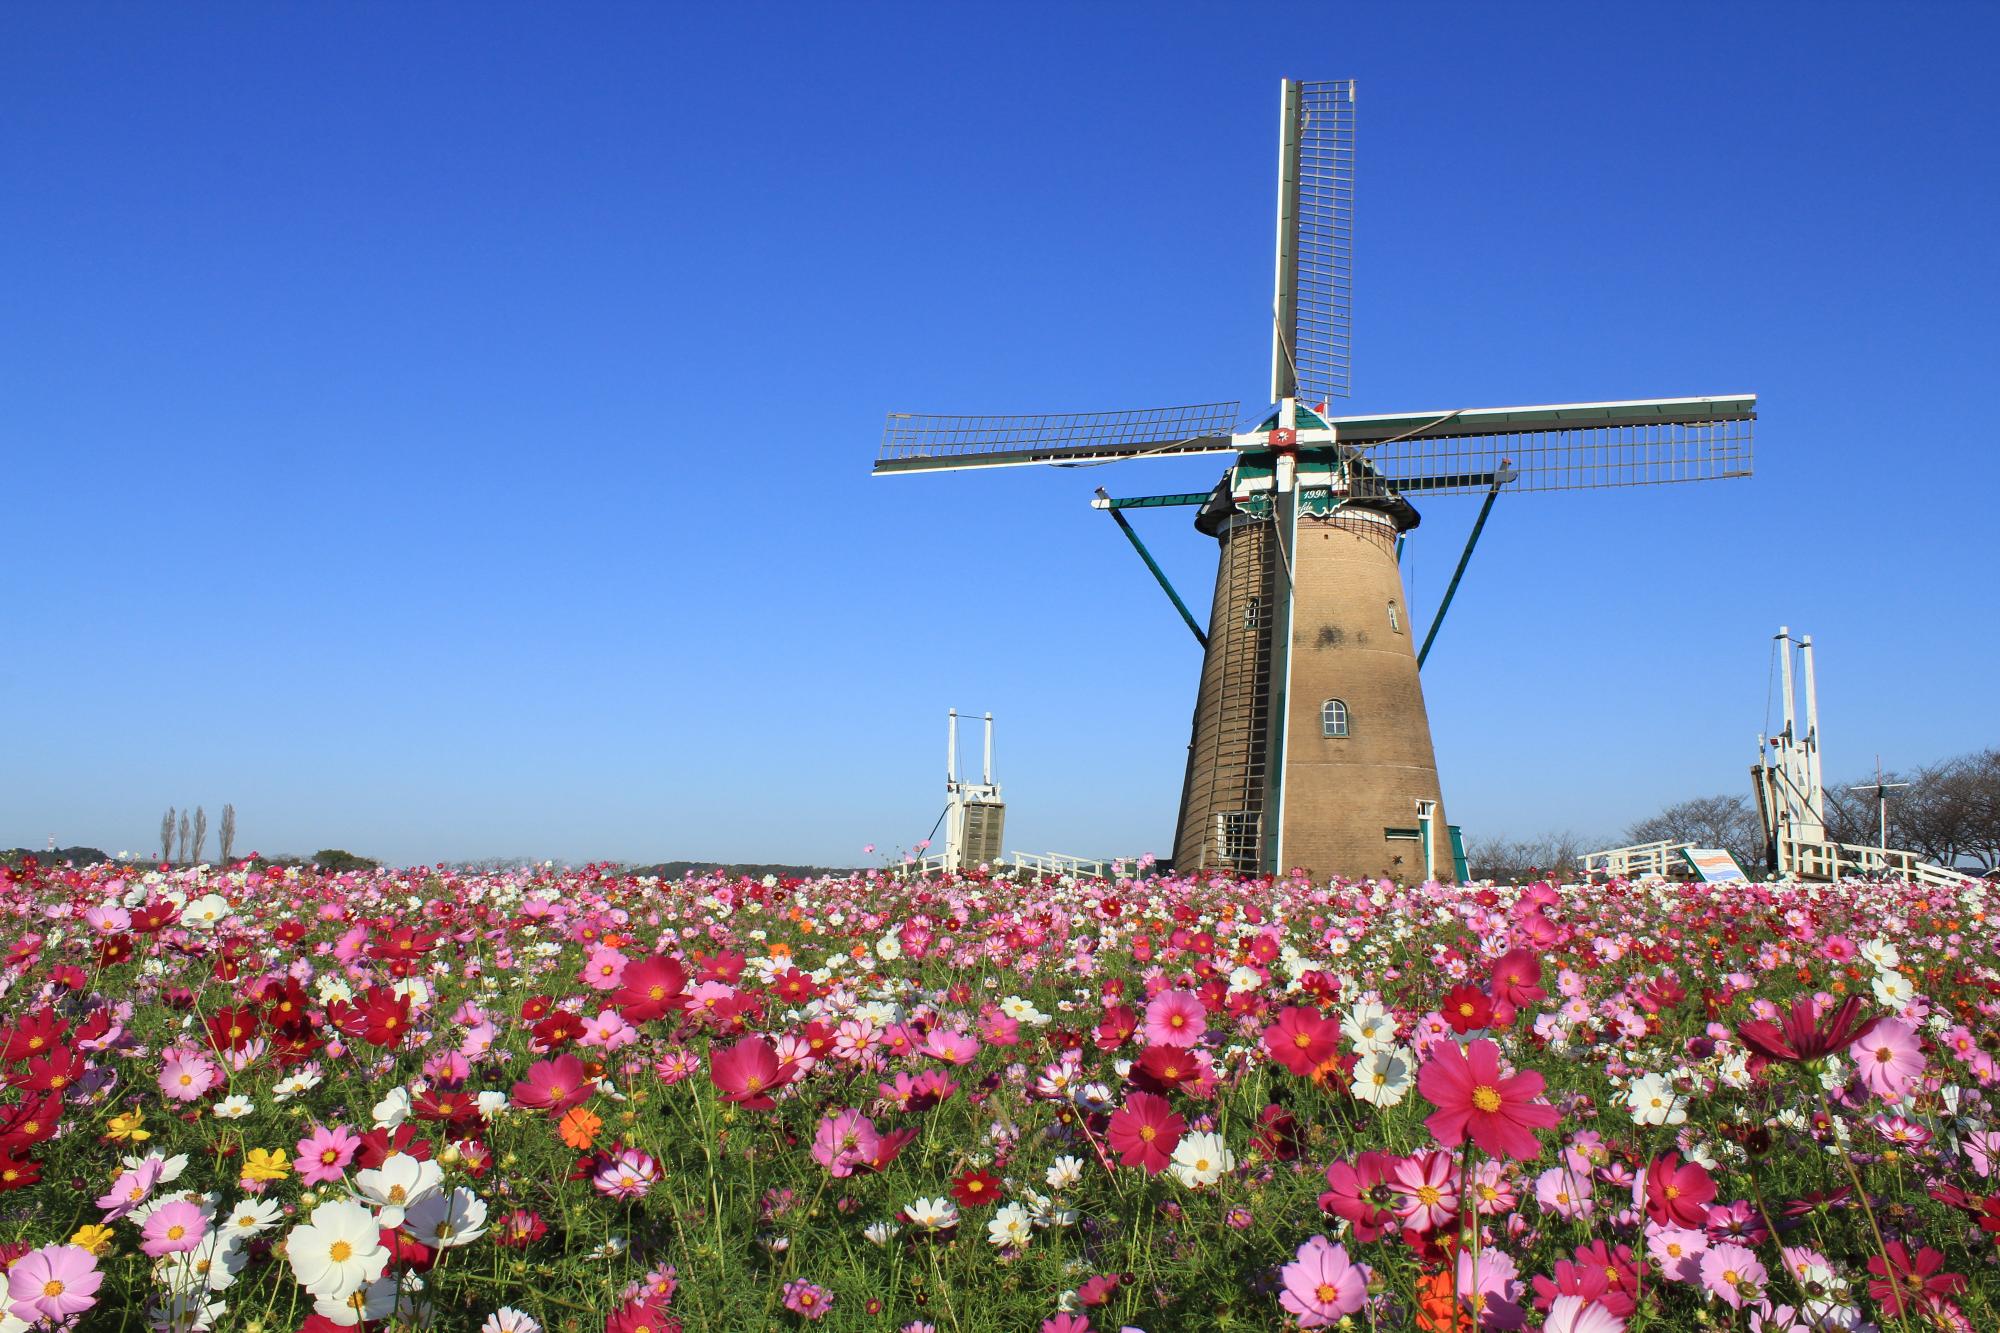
(1333, 719)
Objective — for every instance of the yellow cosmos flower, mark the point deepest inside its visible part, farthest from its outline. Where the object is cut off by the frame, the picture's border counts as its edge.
(94, 1238)
(128, 1128)
(265, 1164)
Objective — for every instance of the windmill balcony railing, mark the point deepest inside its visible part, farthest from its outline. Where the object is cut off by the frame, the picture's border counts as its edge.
(1645, 858)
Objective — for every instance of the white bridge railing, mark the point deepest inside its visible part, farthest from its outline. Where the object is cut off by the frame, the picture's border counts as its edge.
(1050, 863)
(1645, 858)
(1833, 860)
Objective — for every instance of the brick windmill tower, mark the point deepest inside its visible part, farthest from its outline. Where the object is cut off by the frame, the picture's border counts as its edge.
(1310, 745)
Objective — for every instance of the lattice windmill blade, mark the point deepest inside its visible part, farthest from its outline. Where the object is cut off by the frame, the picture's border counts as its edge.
(1559, 447)
(1312, 342)
(928, 443)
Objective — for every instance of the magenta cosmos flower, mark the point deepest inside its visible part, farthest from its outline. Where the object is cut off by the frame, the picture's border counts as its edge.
(1887, 1059)
(1145, 1131)
(1321, 1285)
(1498, 1114)
(748, 1073)
(808, 1299)
(325, 1154)
(553, 1085)
(53, 1283)
(1175, 1018)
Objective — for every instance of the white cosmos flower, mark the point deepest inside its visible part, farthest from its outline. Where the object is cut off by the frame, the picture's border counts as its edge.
(1201, 1158)
(1653, 1101)
(507, 1319)
(491, 1102)
(932, 1214)
(1881, 954)
(446, 1221)
(376, 1300)
(206, 912)
(393, 1110)
(338, 1252)
(880, 1233)
(1893, 989)
(1368, 1026)
(1065, 1171)
(233, 1107)
(175, 1312)
(398, 1183)
(1383, 1076)
(1009, 1225)
(212, 1265)
(251, 1217)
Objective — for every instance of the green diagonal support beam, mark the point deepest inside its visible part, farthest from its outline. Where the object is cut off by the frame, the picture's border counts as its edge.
(1464, 558)
(1161, 575)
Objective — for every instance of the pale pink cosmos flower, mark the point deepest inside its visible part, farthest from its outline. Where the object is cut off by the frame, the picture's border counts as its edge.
(1175, 1018)
(186, 1076)
(853, 1039)
(608, 1030)
(1982, 1148)
(1322, 1286)
(52, 1283)
(628, 1176)
(845, 1140)
(1678, 1251)
(1887, 1060)
(174, 1226)
(130, 1189)
(1573, 1314)
(1426, 1189)
(1564, 1192)
(1734, 1274)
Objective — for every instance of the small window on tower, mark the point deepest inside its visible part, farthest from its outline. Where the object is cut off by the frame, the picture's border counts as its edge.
(1395, 617)
(1237, 834)
(1253, 611)
(1333, 718)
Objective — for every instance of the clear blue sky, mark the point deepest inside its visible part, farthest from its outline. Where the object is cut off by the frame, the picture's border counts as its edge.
(444, 430)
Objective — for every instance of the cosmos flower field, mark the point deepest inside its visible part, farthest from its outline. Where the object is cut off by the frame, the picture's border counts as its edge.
(576, 1100)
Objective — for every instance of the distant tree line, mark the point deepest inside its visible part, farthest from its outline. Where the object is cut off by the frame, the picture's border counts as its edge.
(193, 831)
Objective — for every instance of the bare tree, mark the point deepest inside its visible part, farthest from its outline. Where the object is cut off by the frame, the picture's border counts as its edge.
(185, 829)
(1727, 822)
(227, 833)
(1504, 859)
(200, 829)
(167, 835)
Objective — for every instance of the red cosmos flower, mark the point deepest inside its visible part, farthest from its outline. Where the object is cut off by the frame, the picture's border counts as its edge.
(455, 1108)
(1360, 1194)
(887, 1148)
(1517, 978)
(1902, 1279)
(1277, 1135)
(404, 1248)
(34, 1035)
(556, 1031)
(794, 987)
(520, 1229)
(52, 1073)
(1164, 1068)
(156, 915)
(1145, 1131)
(1473, 1100)
(29, 1122)
(726, 966)
(1467, 1009)
(1116, 1027)
(975, 1189)
(232, 1029)
(114, 949)
(1587, 1283)
(748, 1073)
(536, 1006)
(379, 1145)
(17, 1172)
(1677, 1195)
(652, 988)
(553, 1085)
(1302, 1039)
(385, 1018)
(1803, 1035)
(1621, 1272)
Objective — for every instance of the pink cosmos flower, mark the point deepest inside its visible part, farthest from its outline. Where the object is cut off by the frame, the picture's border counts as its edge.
(1887, 1059)
(844, 1141)
(1175, 1018)
(1490, 1282)
(1426, 1189)
(1322, 1285)
(1564, 1192)
(186, 1076)
(325, 1154)
(130, 1189)
(951, 1046)
(1065, 1323)
(608, 1030)
(553, 1085)
(1678, 1251)
(1500, 1114)
(628, 1175)
(174, 1227)
(1573, 1314)
(604, 969)
(807, 1299)
(52, 1283)
(1734, 1274)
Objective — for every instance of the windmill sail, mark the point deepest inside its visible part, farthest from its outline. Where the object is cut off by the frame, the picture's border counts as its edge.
(1561, 447)
(914, 442)
(1311, 352)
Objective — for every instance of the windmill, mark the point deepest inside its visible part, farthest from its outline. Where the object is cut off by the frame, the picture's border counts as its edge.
(1310, 746)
